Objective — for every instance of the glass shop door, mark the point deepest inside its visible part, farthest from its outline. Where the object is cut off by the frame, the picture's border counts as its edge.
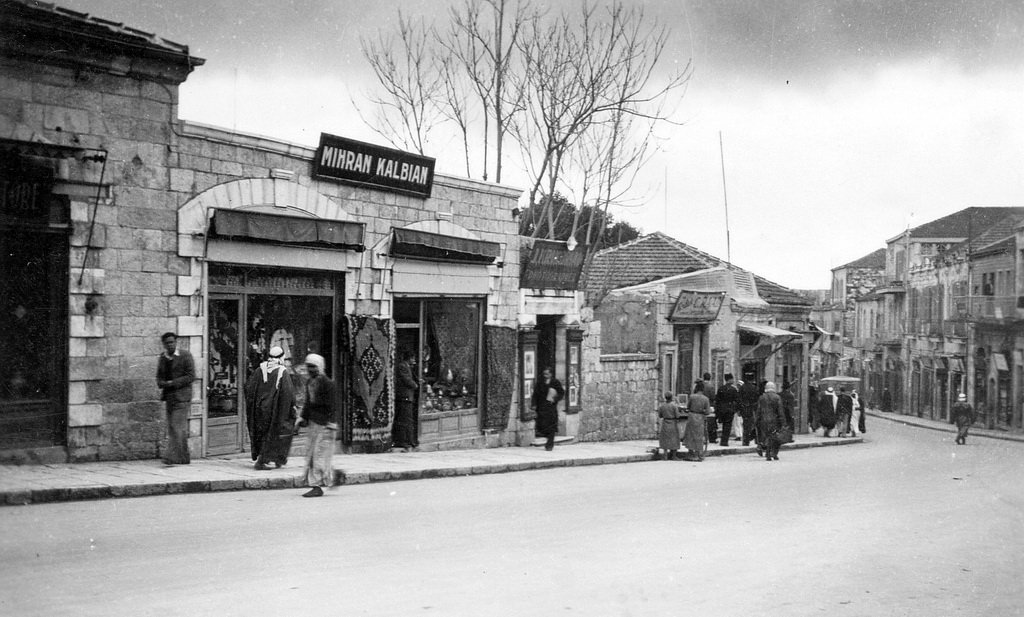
(224, 421)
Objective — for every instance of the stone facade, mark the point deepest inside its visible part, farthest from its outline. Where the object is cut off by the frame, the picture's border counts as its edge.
(620, 392)
(140, 188)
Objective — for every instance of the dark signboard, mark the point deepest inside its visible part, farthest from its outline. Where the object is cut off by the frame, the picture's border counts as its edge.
(551, 265)
(363, 164)
(697, 306)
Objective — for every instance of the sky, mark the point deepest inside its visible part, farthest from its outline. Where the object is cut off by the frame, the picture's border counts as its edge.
(838, 122)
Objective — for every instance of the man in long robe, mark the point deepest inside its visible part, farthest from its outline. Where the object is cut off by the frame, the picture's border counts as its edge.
(546, 396)
(270, 411)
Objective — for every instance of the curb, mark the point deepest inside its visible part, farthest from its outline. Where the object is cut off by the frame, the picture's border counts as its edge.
(913, 421)
(343, 478)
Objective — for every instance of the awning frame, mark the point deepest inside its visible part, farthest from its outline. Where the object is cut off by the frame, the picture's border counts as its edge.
(285, 230)
(429, 246)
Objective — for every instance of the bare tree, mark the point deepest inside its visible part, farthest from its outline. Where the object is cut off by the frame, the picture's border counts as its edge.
(482, 40)
(587, 73)
(407, 110)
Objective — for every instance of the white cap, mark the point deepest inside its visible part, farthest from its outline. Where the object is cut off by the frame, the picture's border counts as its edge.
(276, 352)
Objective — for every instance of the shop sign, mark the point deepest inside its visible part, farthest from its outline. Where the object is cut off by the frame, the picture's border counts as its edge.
(356, 162)
(697, 306)
(24, 199)
(551, 265)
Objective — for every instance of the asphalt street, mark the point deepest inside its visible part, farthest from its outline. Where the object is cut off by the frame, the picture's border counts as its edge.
(906, 523)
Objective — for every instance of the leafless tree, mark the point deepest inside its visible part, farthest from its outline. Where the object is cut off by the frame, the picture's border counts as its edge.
(482, 40)
(581, 72)
(407, 108)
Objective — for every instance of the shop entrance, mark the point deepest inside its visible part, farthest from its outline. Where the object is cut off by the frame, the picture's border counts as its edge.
(250, 311)
(34, 228)
(547, 342)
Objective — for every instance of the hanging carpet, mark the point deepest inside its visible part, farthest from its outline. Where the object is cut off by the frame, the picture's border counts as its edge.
(500, 348)
(370, 342)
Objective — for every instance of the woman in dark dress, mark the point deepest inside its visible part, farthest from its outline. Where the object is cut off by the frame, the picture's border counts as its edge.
(546, 395)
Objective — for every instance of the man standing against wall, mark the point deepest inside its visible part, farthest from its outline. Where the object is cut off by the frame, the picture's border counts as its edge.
(175, 373)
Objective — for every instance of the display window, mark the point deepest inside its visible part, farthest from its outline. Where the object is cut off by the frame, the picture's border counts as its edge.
(252, 310)
(446, 336)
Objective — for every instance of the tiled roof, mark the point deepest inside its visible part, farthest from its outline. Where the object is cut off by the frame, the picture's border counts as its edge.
(94, 26)
(1000, 246)
(1004, 228)
(657, 256)
(956, 225)
(871, 260)
(648, 258)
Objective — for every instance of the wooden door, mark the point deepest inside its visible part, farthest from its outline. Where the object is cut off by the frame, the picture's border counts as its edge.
(225, 379)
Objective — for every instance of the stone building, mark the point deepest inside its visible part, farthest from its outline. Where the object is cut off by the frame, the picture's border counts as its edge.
(660, 314)
(913, 332)
(121, 222)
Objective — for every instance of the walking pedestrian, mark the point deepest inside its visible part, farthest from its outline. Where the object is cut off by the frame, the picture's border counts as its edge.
(668, 432)
(175, 372)
(770, 419)
(546, 395)
(727, 401)
(857, 419)
(270, 411)
(318, 413)
(826, 409)
(963, 415)
(403, 431)
(844, 411)
(695, 432)
(749, 394)
(812, 407)
(788, 405)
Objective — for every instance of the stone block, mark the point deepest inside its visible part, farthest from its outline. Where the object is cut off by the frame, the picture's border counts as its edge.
(92, 281)
(85, 415)
(190, 326)
(85, 369)
(65, 119)
(228, 168)
(154, 261)
(141, 284)
(189, 285)
(148, 218)
(183, 180)
(147, 327)
(86, 326)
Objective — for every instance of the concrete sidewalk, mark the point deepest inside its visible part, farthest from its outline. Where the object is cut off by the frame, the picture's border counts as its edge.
(939, 425)
(67, 482)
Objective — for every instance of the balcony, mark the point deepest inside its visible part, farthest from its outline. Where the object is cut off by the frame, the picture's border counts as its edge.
(987, 308)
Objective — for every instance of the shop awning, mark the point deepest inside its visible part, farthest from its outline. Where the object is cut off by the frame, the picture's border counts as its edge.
(767, 331)
(1000, 361)
(957, 365)
(283, 229)
(427, 245)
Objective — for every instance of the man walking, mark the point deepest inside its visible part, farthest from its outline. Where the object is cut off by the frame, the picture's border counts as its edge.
(319, 414)
(726, 402)
(712, 421)
(963, 415)
(175, 372)
(270, 411)
(844, 409)
(749, 394)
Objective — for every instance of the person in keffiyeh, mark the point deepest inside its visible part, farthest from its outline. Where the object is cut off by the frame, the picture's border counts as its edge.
(270, 411)
(319, 414)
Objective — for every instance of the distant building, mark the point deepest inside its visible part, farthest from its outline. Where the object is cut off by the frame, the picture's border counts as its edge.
(660, 313)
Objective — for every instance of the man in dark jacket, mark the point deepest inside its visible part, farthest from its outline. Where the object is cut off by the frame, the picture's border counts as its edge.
(789, 403)
(403, 432)
(727, 401)
(749, 393)
(712, 421)
(844, 411)
(175, 372)
(963, 415)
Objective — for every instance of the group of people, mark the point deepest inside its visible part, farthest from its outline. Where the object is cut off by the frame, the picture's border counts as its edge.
(842, 412)
(760, 414)
(272, 412)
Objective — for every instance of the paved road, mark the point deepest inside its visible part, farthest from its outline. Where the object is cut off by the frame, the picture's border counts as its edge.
(904, 524)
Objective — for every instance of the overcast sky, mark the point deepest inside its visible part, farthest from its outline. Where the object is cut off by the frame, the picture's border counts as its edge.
(842, 121)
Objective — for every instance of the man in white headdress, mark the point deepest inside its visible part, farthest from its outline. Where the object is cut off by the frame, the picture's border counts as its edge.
(319, 414)
(270, 411)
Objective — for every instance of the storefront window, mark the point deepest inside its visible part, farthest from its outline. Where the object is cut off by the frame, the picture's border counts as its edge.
(451, 354)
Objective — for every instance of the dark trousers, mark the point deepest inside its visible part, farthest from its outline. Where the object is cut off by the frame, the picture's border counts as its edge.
(961, 432)
(712, 425)
(771, 446)
(177, 433)
(749, 430)
(726, 419)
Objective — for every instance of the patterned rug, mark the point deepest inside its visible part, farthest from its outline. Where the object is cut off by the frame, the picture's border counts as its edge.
(370, 342)
(500, 348)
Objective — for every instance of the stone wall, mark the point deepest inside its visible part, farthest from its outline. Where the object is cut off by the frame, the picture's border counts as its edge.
(620, 392)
